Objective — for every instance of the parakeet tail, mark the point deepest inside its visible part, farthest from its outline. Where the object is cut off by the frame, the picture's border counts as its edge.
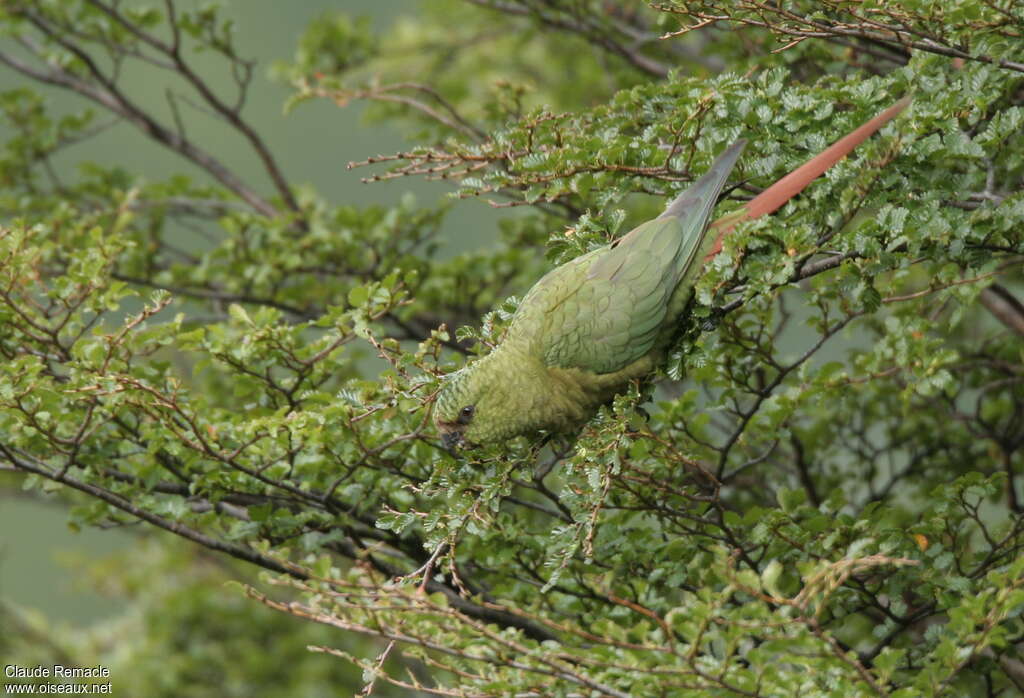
(792, 184)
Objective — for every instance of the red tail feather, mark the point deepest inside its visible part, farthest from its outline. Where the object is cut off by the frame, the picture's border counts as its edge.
(792, 184)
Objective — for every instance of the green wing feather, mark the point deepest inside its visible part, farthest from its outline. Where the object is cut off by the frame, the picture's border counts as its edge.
(604, 310)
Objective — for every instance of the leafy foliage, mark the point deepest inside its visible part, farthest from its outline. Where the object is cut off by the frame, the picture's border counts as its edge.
(187, 628)
(820, 496)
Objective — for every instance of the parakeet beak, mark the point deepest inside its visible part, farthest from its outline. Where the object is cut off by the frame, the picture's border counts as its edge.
(451, 439)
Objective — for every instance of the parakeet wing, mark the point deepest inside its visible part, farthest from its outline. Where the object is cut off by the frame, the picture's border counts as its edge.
(604, 310)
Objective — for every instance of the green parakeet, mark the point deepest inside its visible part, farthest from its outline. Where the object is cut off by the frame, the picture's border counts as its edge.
(591, 325)
(587, 327)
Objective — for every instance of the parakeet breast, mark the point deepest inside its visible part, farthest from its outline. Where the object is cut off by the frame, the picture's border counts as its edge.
(513, 393)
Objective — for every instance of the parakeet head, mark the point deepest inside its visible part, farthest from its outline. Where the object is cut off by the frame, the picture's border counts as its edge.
(455, 411)
(485, 402)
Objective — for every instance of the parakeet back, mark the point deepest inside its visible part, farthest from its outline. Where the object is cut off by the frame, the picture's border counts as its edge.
(606, 309)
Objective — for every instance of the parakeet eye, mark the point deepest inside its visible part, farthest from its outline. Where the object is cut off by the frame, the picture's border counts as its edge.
(466, 414)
